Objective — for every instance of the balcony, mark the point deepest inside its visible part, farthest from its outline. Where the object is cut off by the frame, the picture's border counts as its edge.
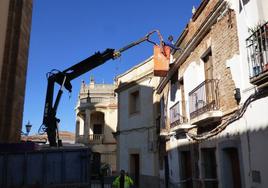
(176, 118)
(95, 100)
(257, 49)
(204, 103)
(95, 138)
(161, 126)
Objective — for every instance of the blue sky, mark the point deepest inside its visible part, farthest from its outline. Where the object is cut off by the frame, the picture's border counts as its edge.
(65, 32)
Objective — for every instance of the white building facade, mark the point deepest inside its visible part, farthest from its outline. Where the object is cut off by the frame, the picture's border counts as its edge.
(215, 99)
(96, 120)
(252, 24)
(136, 131)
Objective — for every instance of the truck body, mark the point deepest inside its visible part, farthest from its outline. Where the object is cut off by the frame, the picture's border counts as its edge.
(47, 167)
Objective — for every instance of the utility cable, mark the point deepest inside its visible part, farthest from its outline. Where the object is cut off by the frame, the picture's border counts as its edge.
(236, 116)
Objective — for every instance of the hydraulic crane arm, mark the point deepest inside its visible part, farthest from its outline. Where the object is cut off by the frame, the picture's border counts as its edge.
(64, 78)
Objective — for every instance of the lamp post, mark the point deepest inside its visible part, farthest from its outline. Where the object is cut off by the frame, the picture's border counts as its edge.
(28, 127)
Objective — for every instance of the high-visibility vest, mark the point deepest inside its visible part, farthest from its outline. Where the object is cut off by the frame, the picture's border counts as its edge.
(128, 182)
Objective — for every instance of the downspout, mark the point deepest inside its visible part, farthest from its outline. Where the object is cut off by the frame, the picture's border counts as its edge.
(249, 151)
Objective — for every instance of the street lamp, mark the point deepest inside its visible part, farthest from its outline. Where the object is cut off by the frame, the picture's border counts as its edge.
(28, 127)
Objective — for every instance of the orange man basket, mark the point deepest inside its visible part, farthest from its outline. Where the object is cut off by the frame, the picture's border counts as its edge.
(161, 60)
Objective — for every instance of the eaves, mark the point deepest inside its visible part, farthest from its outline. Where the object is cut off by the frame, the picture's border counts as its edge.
(135, 67)
(130, 84)
(194, 17)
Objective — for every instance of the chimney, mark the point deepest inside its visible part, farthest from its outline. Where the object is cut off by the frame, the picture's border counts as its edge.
(193, 10)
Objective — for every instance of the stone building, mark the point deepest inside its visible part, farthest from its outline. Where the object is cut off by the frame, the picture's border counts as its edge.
(15, 24)
(136, 132)
(96, 120)
(214, 100)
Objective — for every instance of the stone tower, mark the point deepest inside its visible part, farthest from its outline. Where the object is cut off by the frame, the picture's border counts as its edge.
(96, 119)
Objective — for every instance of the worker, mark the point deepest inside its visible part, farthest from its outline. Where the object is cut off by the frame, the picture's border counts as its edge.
(171, 44)
(122, 181)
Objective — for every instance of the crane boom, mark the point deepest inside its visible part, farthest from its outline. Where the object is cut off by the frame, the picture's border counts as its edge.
(64, 78)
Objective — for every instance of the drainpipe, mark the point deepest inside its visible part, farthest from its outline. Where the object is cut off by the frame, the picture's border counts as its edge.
(249, 151)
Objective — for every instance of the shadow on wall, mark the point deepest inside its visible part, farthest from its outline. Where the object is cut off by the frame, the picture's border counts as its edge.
(226, 160)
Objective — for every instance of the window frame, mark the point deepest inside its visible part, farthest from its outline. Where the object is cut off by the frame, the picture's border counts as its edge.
(131, 109)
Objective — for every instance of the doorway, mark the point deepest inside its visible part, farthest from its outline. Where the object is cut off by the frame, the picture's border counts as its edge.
(135, 168)
(186, 175)
(97, 129)
(231, 168)
(166, 172)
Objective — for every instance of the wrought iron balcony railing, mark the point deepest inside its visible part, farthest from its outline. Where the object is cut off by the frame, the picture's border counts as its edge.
(96, 100)
(257, 48)
(175, 116)
(204, 98)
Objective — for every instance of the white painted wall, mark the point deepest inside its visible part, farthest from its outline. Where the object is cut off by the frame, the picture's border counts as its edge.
(110, 118)
(144, 117)
(129, 139)
(253, 13)
(193, 76)
(190, 82)
(138, 141)
(252, 132)
(263, 7)
(252, 129)
(173, 159)
(253, 126)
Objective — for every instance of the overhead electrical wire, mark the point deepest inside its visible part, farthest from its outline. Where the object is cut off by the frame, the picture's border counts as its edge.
(236, 116)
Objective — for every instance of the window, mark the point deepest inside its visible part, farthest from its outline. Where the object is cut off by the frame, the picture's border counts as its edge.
(174, 115)
(134, 102)
(183, 103)
(174, 86)
(257, 48)
(207, 58)
(163, 113)
(209, 168)
(97, 129)
(244, 3)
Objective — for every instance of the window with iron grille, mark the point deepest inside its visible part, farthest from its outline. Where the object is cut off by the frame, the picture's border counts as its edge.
(204, 98)
(257, 48)
(175, 116)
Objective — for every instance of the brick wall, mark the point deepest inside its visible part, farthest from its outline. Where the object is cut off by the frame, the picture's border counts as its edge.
(223, 41)
(224, 46)
(14, 67)
(194, 24)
